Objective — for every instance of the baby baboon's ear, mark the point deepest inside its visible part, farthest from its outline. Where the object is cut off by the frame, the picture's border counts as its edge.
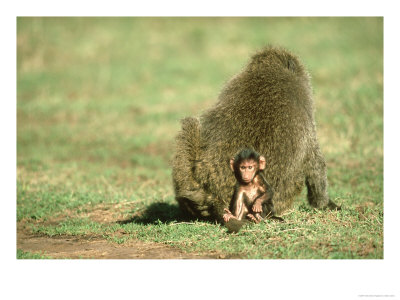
(232, 165)
(262, 163)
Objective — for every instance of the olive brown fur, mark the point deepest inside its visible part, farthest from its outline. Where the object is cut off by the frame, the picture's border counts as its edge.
(268, 107)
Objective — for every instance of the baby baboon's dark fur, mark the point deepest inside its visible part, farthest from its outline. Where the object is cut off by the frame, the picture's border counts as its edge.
(267, 107)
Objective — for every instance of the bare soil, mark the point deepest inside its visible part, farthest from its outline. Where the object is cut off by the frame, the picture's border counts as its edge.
(96, 247)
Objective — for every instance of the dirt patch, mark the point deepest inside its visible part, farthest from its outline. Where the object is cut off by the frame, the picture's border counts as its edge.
(96, 247)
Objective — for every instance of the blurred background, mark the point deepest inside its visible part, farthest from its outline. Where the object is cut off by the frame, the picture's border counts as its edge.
(99, 99)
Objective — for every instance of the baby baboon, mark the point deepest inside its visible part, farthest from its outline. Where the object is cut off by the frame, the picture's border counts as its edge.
(252, 198)
(252, 192)
(267, 107)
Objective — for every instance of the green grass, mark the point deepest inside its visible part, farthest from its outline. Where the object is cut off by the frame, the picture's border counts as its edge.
(98, 106)
(28, 255)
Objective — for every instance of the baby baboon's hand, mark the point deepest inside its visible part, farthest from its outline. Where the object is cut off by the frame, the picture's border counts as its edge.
(227, 215)
(257, 207)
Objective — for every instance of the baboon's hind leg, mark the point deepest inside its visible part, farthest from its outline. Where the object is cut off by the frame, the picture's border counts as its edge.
(316, 180)
(317, 183)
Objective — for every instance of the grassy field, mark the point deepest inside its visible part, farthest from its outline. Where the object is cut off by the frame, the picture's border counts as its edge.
(98, 106)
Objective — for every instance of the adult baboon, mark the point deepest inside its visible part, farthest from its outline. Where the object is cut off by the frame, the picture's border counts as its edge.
(267, 107)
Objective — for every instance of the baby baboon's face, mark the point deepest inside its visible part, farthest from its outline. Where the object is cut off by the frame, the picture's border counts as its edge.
(248, 169)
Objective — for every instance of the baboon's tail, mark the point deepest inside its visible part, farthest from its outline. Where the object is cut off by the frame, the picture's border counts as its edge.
(191, 197)
(188, 140)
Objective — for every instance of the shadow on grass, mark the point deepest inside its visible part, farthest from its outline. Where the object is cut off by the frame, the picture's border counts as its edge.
(158, 212)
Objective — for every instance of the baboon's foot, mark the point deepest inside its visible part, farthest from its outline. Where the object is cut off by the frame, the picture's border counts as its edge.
(333, 206)
(259, 218)
(253, 218)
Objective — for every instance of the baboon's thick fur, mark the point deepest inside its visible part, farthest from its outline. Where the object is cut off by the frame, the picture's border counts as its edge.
(268, 107)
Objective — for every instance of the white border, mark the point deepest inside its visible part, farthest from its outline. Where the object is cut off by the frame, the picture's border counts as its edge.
(275, 279)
